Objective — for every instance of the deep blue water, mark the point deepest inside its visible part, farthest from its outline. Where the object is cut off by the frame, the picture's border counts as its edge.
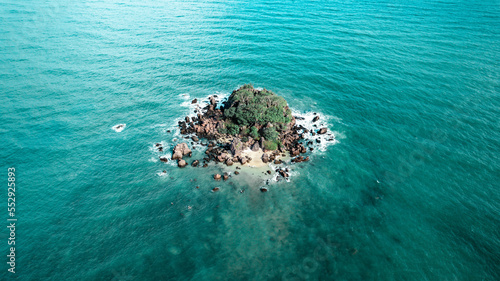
(411, 89)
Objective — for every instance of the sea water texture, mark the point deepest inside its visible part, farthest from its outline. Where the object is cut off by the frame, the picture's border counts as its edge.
(410, 89)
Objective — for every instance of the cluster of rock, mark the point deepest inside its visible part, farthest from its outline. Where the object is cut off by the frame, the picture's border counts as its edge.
(180, 151)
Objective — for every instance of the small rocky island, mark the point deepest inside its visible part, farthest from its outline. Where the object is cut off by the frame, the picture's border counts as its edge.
(252, 127)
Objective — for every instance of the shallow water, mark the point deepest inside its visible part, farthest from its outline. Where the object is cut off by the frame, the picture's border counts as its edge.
(409, 192)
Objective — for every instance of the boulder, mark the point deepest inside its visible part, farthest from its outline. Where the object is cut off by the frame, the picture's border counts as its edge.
(243, 160)
(316, 118)
(236, 172)
(194, 101)
(215, 189)
(265, 158)
(229, 162)
(212, 100)
(181, 150)
(236, 147)
(187, 119)
(217, 177)
(263, 189)
(195, 163)
(181, 163)
(322, 131)
(195, 138)
(225, 176)
(164, 158)
(256, 146)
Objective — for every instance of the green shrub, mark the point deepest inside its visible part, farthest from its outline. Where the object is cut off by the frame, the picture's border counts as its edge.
(244, 139)
(270, 133)
(232, 129)
(222, 131)
(270, 145)
(254, 133)
(247, 107)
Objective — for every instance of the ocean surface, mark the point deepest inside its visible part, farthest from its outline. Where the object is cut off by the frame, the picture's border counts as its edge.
(409, 191)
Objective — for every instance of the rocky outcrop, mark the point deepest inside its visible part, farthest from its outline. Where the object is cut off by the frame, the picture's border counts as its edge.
(180, 151)
(181, 163)
(236, 147)
(255, 146)
(232, 126)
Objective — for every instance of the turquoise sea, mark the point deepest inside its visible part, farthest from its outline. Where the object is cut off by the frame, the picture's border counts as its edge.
(410, 190)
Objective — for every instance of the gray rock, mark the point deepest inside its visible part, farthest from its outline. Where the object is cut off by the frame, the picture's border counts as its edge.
(181, 163)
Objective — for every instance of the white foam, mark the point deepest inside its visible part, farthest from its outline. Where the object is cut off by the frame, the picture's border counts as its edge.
(118, 128)
(323, 122)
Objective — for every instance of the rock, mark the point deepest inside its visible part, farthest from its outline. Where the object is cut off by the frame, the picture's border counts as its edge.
(283, 174)
(217, 177)
(263, 189)
(205, 165)
(160, 148)
(236, 172)
(265, 158)
(243, 160)
(316, 118)
(236, 147)
(226, 176)
(229, 162)
(158, 144)
(255, 146)
(187, 119)
(195, 138)
(277, 162)
(215, 189)
(195, 163)
(212, 100)
(269, 172)
(181, 150)
(164, 158)
(303, 149)
(181, 163)
(322, 131)
(318, 140)
(194, 101)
